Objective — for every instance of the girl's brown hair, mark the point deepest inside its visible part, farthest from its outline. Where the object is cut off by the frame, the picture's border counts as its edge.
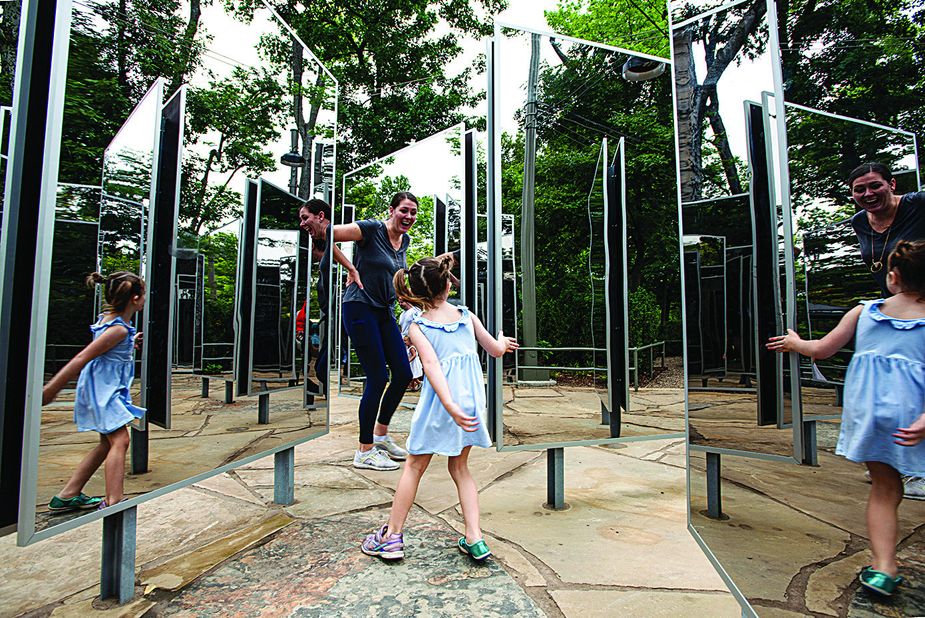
(908, 258)
(120, 287)
(424, 282)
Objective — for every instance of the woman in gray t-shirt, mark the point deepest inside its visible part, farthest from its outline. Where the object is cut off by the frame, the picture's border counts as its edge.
(369, 319)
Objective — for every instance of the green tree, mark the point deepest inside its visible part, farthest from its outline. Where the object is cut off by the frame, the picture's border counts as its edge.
(391, 64)
(630, 24)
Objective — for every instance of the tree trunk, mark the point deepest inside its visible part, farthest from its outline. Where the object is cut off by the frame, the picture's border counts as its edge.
(687, 104)
(9, 40)
(186, 47)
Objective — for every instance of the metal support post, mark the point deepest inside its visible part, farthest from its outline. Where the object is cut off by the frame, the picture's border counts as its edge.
(117, 571)
(263, 409)
(139, 451)
(284, 477)
(605, 414)
(229, 391)
(714, 490)
(205, 388)
(810, 454)
(555, 479)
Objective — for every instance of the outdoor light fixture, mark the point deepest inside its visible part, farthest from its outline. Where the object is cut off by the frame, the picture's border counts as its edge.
(641, 69)
(293, 158)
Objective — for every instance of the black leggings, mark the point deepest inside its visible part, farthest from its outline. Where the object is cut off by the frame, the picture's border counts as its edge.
(380, 348)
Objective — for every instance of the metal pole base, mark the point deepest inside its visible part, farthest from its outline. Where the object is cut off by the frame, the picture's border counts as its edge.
(139, 451)
(605, 414)
(810, 452)
(263, 409)
(229, 391)
(714, 489)
(555, 479)
(117, 571)
(284, 477)
(205, 388)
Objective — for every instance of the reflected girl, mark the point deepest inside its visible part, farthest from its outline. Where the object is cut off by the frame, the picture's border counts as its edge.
(883, 424)
(381, 248)
(102, 403)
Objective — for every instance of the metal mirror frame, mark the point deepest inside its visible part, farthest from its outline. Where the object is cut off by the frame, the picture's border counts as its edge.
(34, 155)
(494, 318)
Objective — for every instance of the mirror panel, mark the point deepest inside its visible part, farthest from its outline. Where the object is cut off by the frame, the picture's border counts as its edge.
(791, 538)
(239, 87)
(586, 176)
(735, 386)
(433, 170)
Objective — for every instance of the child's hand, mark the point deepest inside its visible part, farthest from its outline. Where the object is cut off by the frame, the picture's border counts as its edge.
(784, 343)
(911, 435)
(139, 339)
(468, 423)
(47, 396)
(510, 344)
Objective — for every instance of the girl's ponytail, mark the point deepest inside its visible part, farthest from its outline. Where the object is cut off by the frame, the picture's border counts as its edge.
(908, 258)
(402, 289)
(94, 279)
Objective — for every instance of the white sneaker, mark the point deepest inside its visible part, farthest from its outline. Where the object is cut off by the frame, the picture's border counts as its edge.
(373, 459)
(391, 448)
(913, 488)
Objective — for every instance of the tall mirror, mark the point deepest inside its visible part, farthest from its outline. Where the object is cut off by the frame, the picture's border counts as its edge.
(790, 539)
(433, 170)
(736, 393)
(178, 150)
(588, 243)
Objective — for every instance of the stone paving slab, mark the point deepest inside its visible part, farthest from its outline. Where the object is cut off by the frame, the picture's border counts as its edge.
(630, 515)
(648, 603)
(333, 578)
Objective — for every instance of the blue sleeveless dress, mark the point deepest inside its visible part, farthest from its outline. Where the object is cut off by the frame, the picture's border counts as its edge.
(884, 390)
(433, 430)
(102, 402)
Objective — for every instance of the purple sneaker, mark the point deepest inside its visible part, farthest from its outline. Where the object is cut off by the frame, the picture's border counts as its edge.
(391, 548)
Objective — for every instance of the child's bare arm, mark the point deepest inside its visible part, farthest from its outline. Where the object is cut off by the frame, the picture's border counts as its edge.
(434, 373)
(819, 348)
(100, 345)
(496, 346)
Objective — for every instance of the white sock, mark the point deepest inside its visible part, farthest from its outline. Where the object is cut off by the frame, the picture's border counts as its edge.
(377, 439)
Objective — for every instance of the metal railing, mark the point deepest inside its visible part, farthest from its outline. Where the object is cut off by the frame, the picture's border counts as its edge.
(634, 352)
(634, 368)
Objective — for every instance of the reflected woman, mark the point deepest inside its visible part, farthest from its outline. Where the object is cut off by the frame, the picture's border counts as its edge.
(369, 317)
(885, 219)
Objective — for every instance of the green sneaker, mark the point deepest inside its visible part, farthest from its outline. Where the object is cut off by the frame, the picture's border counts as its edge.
(879, 581)
(477, 551)
(80, 501)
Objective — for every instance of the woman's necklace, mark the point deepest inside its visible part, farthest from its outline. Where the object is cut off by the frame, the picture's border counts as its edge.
(877, 266)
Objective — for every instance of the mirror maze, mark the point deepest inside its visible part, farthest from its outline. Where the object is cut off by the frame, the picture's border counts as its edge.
(641, 225)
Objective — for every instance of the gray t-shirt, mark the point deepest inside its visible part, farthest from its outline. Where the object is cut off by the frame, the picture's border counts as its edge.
(377, 261)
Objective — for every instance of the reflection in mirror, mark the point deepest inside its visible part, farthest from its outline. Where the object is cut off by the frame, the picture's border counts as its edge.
(581, 221)
(432, 169)
(736, 395)
(240, 78)
(835, 277)
(792, 538)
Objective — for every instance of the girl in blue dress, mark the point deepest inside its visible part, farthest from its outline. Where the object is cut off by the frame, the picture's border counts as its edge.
(450, 415)
(102, 403)
(883, 419)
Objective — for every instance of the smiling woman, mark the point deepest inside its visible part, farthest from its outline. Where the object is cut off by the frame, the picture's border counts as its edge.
(381, 250)
(885, 218)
